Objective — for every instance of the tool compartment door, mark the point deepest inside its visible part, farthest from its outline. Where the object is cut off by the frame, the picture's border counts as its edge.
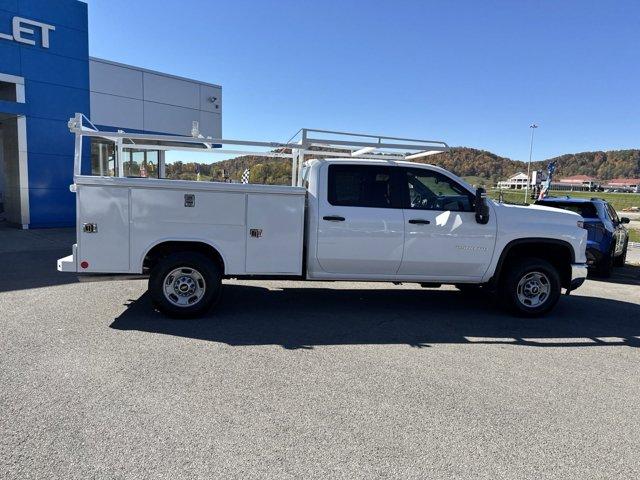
(275, 226)
(105, 247)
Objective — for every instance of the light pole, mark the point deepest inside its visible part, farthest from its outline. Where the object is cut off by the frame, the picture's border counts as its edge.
(533, 127)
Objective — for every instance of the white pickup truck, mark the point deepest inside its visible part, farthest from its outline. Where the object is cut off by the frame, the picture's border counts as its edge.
(356, 216)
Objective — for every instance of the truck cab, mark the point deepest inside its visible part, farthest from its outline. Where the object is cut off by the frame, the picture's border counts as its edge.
(394, 221)
(407, 222)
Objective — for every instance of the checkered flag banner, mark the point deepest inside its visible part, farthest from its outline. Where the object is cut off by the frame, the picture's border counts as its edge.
(245, 176)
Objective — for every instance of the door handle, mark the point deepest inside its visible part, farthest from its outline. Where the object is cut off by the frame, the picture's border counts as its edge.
(419, 221)
(333, 218)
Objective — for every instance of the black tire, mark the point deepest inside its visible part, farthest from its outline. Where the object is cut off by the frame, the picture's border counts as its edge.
(542, 274)
(605, 265)
(206, 283)
(621, 259)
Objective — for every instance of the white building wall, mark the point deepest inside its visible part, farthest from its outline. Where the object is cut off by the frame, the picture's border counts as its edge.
(124, 96)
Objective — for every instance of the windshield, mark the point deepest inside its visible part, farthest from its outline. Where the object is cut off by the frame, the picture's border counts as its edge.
(586, 210)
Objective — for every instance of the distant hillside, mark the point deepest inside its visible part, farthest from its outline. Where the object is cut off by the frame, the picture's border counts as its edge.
(601, 165)
(270, 171)
(463, 161)
(470, 162)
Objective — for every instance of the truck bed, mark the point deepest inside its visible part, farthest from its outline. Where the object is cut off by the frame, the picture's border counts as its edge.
(257, 228)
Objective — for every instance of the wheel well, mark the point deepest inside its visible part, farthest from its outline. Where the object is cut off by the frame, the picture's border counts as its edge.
(557, 253)
(166, 248)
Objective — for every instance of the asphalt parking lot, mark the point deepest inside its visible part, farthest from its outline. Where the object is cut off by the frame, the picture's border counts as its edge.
(314, 380)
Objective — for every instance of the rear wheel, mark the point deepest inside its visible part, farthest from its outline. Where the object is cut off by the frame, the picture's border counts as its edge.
(185, 284)
(531, 287)
(605, 265)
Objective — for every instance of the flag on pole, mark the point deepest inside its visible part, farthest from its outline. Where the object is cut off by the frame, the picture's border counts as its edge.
(551, 168)
(245, 176)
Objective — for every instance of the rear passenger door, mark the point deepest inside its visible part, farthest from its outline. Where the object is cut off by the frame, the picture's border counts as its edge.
(361, 224)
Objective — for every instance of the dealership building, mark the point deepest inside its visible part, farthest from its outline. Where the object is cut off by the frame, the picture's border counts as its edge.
(47, 75)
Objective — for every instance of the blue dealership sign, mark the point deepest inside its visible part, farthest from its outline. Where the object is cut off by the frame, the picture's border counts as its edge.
(46, 43)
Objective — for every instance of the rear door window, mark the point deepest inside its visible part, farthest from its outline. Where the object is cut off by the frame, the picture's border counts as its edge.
(369, 186)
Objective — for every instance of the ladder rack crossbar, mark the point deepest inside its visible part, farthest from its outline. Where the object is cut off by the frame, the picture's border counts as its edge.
(367, 135)
(397, 146)
(351, 145)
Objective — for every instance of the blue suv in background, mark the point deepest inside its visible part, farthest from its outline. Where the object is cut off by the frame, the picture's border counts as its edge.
(607, 239)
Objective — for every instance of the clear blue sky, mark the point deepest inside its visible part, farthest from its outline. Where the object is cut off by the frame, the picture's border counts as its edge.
(473, 73)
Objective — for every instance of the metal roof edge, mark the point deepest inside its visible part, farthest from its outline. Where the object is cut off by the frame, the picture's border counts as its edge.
(154, 72)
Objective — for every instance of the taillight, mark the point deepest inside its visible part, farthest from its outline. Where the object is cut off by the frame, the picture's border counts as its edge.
(595, 230)
(581, 224)
(591, 226)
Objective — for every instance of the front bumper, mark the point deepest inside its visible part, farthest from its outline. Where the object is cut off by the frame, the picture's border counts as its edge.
(578, 275)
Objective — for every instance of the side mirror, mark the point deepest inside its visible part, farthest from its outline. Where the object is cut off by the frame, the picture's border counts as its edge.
(482, 209)
(624, 220)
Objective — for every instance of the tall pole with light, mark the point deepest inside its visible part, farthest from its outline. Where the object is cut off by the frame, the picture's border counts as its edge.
(533, 127)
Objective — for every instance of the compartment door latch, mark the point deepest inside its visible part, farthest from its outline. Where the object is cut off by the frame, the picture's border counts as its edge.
(90, 227)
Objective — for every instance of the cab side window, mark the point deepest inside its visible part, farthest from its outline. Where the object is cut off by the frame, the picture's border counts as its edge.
(431, 190)
(363, 186)
(613, 214)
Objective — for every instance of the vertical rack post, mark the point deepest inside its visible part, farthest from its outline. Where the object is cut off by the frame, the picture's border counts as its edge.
(77, 155)
(120, 156)
(300, 156)
(162, 169)
(294, 166)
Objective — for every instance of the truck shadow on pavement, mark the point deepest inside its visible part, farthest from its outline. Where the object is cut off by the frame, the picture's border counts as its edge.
(627, 275)
(28, 257)
(32, 269)
(296, 318)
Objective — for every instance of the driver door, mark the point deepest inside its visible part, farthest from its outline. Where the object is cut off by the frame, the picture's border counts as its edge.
(442, 238)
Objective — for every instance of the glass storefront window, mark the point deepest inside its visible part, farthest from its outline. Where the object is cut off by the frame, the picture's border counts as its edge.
(152, 167)
(136, 163)
(103, 158)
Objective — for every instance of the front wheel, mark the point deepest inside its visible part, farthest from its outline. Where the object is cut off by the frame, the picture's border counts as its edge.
(531, 287)
(620, 260)
(185, 285)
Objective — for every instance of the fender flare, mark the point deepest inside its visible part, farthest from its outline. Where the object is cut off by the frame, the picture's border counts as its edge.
(520, 241)
(140, 261)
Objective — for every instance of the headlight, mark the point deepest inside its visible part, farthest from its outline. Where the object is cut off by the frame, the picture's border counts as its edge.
(580, 224)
